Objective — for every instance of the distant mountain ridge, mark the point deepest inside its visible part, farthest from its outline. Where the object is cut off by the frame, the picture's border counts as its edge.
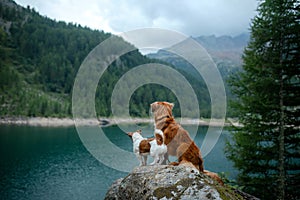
(222, 49)
(224, 42)
(226, 48)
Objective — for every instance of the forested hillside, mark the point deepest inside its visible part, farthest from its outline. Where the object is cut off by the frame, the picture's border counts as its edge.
(39, 59)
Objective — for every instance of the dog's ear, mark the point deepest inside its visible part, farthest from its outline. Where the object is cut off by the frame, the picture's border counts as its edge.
(130, 134)
(171, 105)
(139, 131)
(154, 106)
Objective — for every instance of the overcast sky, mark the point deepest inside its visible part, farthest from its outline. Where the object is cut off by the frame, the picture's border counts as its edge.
(190, 17)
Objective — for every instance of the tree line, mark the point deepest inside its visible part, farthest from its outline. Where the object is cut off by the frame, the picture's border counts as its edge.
(266, 148)
(40, 58)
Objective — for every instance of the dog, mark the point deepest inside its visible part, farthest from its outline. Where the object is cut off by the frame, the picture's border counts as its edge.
(177, 139)
(142, 147)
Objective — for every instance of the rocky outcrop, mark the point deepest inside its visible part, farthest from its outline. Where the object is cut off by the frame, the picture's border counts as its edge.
(170, 182)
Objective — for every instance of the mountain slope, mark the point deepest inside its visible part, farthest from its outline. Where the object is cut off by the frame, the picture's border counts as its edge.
(40, 58)
(226, 52)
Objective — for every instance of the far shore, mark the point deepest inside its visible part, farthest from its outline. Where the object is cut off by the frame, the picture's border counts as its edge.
(65, 122)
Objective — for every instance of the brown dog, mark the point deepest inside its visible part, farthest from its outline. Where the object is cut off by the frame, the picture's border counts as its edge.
(177, 139)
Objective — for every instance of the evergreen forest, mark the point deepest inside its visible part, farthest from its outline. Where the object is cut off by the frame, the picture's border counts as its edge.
(40, 58)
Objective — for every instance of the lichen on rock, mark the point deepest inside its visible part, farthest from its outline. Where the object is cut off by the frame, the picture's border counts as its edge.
(169, 182)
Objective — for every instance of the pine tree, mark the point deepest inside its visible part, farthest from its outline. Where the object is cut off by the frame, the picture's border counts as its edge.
(266, 149)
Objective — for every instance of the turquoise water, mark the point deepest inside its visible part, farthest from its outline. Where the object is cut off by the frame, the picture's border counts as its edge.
(53, 163)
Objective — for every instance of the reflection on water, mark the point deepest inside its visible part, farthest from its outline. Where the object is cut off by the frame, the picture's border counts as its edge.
(52, 163)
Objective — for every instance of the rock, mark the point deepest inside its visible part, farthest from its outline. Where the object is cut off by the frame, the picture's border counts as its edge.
(170, 182)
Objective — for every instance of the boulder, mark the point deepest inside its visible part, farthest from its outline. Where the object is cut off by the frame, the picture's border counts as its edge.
(170, 182)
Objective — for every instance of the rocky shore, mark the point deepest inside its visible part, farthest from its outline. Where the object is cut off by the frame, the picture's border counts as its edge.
(57, 122)
(48, 121)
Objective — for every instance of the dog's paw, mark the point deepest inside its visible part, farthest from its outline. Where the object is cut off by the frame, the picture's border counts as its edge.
(174, 163)
(153, 163)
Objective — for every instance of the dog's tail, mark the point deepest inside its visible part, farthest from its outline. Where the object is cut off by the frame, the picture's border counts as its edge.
(159, 136)
(213, 176)
(201, 168)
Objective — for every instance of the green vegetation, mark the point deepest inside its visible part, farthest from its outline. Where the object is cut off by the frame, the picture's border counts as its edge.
(39, 59)
(266, 149)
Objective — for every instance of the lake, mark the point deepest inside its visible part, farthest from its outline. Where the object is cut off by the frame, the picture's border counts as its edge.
(53, 163)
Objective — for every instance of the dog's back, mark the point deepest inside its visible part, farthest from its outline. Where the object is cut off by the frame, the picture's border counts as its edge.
(145, 146)
(180, 144)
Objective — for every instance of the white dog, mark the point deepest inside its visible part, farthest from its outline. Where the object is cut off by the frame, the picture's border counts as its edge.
(142, 147)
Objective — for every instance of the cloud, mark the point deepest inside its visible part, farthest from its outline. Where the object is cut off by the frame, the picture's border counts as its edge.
(191, 17)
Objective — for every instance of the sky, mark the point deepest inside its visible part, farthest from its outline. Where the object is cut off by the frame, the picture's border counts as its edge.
(190, 17)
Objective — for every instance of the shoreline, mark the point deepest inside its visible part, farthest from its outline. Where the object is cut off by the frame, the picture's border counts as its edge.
(66, 122)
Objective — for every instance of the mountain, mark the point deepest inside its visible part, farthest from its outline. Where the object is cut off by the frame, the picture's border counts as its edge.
(39, 60)
(226, 52)
(225, 42)
(226, 49)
